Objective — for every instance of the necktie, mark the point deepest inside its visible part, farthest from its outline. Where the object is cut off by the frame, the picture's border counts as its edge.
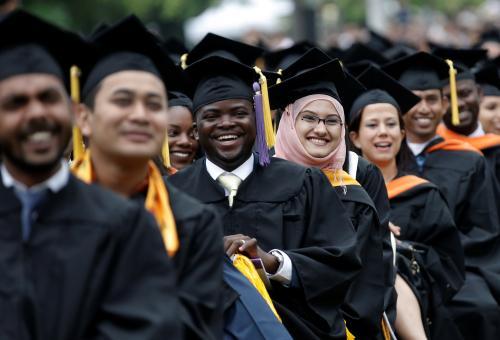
(230, 182)
(421, 161)
(30, 200)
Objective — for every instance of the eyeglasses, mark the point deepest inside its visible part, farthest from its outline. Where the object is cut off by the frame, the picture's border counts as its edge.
(331, 121)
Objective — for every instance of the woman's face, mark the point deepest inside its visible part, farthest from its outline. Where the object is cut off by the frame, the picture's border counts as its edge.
(181, 140)
(380, 135)
(489, 114)
(319, 128)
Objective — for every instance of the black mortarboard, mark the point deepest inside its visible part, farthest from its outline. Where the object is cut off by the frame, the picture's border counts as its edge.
(175, 49)
(281, 59)
(491, 34)
(335, 52)
(419, 71)
(128, 45)
(382, 88)
(361, 52)
(176, 98)
(31, 45)
(213, 44)
(398, 51)
(463, 59)
(489, 80)
(378, 42)
(358, 67)
(314, 73)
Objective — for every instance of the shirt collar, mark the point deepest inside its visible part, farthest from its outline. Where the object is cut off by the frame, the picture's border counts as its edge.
(417, 148)
(243, 171)
(55, 183)
(478, 132)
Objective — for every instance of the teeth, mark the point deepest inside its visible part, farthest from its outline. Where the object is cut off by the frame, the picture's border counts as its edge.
(423, 119)
(382, 145)
(227, 137)
(180, 154)
(41, 136)
(317, 141)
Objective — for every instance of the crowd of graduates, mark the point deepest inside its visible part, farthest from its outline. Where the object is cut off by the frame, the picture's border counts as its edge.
(228, 192)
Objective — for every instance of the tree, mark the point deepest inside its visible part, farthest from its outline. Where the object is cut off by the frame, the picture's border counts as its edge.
(83, 16)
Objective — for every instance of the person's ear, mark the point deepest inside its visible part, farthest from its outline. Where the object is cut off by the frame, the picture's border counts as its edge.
(83, 116)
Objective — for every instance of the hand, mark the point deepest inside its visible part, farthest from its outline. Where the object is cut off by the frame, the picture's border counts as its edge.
(395, 229)
(247, 246)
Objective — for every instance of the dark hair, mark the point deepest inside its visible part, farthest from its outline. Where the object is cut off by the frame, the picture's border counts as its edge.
(404, 156)
(89, 99)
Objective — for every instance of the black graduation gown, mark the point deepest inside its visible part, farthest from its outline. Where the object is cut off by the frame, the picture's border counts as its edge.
(364, 303)
(198, 264)
(371, 179)
(492, 156)
(431, 257)
(282, 206)
(469, 189)
(85, 273)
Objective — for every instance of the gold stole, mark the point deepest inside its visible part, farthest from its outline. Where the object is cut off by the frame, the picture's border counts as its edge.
(157, 200)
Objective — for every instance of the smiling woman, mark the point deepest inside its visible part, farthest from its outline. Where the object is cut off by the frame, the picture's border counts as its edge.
(182, 143)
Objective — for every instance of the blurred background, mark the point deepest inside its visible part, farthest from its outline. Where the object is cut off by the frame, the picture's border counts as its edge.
(276, 24)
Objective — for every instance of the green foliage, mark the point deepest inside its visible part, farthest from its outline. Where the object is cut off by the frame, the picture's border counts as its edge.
(84, 15)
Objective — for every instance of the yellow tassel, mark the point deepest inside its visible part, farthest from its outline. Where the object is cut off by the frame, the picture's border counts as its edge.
(455, 118)
(78, 146)
(165, 153)
(268, 121)
(184, 61)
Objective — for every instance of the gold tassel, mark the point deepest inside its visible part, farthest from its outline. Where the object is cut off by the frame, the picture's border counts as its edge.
(268, 121)
(455, 117)
(183, 60)
(165, 153)
(78, 146)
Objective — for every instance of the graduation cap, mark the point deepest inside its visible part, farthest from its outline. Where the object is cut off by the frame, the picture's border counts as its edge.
(361, 52)
(335, 52)
(489, 80)
(382, 88)
(357, 68)
(492, 34)
(399, 50)
(175, 49)
(464, 59)
(128, 45)
(220, 74)
(213, 44)
(419, 71)
(281, 59)
(314, 73)
(176, 98)
(378, 42)
(31, 45)
(423, 71)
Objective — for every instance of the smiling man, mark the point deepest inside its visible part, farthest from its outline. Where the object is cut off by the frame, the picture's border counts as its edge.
(468, 186)
(469, 96)
(70, 269)
(125, 121)
(287, 215)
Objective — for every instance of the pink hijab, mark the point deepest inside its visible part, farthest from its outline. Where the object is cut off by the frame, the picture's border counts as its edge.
(288, 145)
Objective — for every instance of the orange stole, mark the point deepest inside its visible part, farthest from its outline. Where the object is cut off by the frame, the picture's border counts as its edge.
(482, 142)
(453, 145)
(157, 200)
(402, 184)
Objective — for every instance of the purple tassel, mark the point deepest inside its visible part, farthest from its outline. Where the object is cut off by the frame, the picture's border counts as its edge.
(262, 149)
